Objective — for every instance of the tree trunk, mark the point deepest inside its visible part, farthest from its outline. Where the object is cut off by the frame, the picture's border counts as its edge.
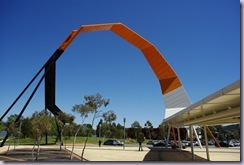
(32, 153)
(14, 143)
(38, 148)
(83, 151)
(61, 142)
(46, 138)
(57, 138)
(9, 143)
(73, 146)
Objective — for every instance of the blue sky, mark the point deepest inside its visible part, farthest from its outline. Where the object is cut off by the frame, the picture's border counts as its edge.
(200, 40)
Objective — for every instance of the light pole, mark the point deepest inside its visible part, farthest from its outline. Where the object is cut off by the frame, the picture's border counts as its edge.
(124, 133)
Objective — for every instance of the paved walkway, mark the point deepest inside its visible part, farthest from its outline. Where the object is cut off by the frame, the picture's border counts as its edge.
(130, 154)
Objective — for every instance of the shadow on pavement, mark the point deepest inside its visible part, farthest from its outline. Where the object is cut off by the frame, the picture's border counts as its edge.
(25, 154)
(169, 154)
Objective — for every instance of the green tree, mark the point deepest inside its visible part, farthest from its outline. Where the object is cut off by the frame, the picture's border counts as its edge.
(108, 133)
(140, 137)
(2, 127)
(149, 127)
(83, 111)
(87, 130)
(119, 131)
(40, 124)
(68, 131)
(11, 119)
(99, 127)
(109, 117)
(53, 124)
(235, 134)
(213, 130)
(26, 127)
(14, 132)
(64, 119)
(103, 129)
(136, 124)
(162, 134)
(136, 128)
(92, 105)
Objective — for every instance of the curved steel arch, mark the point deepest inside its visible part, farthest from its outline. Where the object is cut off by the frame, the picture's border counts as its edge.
(164, 72)
(175, 97)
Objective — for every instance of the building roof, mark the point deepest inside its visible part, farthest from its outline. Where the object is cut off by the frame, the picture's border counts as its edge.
(221, 107)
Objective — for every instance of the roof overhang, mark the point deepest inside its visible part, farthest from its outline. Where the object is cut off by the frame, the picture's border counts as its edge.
(221, 107)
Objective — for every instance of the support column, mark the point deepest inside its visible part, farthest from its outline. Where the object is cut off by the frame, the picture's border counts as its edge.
(178, 131)
(206, 141)
(200, 144)
(173, 130)
(167, 141)
(191, 137)
(216, 142)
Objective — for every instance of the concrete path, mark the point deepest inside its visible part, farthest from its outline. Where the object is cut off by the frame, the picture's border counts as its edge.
(112, 153)
(131, 154)
(115, 153)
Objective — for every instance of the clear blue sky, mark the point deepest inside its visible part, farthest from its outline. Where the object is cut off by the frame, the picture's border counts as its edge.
(199, 38)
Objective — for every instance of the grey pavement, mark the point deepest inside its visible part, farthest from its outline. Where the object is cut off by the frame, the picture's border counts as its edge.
(131, 153)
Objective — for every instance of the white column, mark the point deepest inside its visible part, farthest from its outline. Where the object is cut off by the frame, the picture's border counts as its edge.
(178, 130)
(167, 141)
(200, 144)
(206, 142)
(191, 137)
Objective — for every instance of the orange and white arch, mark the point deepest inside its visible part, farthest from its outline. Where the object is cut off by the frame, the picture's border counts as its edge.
(175, 97)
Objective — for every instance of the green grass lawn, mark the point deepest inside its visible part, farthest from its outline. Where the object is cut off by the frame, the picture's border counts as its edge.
(69, 140)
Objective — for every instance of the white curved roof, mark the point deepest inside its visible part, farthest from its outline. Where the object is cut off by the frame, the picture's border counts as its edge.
(221, 107)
